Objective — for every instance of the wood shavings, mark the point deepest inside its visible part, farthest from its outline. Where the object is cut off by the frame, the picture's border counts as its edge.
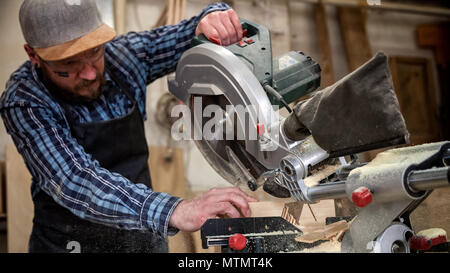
(328, 232)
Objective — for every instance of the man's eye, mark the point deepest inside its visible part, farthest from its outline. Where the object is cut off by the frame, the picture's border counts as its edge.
(69, 63)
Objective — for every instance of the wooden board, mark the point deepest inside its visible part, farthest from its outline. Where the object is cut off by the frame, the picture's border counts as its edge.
(266, 209)
(326, 60)
(352, 23)
(19, 204)
(413, 82)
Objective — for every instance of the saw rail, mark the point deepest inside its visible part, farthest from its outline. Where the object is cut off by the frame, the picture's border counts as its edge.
(423, 180)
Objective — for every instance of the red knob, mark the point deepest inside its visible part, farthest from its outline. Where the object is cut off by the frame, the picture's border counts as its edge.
(237, 241)
(260, 129)
(361, 197)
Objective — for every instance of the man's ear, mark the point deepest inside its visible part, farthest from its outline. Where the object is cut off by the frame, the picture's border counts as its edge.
(34, 58)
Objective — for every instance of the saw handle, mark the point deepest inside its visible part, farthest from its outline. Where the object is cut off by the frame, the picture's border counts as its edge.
(249, 30)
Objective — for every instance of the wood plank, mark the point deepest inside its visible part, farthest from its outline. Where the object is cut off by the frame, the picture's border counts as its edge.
(415, 92)
(19, 204)
(321, 210)
(266, 208)
(326, 60)
(352, 23)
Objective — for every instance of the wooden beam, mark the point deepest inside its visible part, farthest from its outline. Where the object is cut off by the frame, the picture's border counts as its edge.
(326, 62)
(352, 23)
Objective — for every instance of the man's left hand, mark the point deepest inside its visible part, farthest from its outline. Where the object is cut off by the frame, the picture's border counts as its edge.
(221, 26)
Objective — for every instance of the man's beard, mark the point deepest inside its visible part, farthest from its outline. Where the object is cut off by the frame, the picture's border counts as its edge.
(72, 95)
(94, 93)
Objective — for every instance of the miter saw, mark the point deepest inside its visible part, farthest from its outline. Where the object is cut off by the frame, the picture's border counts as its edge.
(234, 93)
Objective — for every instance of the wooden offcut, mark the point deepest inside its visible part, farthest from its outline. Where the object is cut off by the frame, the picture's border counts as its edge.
(292, 212)
(325, 233)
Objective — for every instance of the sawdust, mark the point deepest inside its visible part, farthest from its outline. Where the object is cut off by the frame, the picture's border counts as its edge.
(273, 233)
(326, 247)
(394, 159)
(432, 233)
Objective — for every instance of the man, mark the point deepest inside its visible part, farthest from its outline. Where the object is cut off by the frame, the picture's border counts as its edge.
(75, 112)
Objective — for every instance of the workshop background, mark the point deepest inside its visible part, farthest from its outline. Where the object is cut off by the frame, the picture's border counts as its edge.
(339, 34)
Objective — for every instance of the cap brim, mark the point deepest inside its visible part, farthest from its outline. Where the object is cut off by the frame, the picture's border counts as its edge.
(101, 35)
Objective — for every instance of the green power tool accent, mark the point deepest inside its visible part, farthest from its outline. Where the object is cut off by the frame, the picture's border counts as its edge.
(286, 78)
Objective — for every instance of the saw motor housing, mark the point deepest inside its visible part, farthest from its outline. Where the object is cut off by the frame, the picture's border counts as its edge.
(292, 75)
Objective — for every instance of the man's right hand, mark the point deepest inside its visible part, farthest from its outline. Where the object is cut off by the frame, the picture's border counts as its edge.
(190, 215)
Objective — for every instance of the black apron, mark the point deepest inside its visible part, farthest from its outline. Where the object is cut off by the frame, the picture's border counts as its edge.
(120, 146)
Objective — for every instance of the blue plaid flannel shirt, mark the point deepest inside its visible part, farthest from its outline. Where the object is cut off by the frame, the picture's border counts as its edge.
(58, 164)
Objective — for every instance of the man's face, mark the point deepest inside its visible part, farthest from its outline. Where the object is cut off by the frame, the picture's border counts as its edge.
(79, 78)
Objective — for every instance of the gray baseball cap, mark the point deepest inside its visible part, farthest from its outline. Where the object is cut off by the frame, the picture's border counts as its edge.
(59, 29)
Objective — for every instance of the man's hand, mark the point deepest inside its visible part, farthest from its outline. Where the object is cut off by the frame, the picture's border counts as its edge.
(190, 215)
(221, 26)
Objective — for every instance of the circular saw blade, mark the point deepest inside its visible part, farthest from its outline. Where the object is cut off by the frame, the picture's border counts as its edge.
(221, 145)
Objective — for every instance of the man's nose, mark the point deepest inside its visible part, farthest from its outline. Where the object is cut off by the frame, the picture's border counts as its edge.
(88, 72)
